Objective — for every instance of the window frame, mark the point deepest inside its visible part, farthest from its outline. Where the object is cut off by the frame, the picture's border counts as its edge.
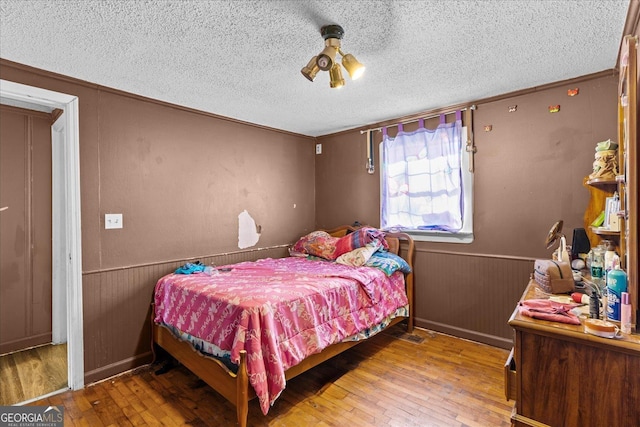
(465, 234)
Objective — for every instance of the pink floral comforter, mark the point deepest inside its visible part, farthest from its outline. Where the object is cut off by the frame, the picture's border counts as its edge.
(278, 310)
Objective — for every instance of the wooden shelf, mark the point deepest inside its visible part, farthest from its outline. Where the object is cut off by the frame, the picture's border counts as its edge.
(601, 182)
(604, 232)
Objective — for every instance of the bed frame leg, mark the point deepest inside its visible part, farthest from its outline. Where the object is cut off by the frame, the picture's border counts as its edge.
(242, 399)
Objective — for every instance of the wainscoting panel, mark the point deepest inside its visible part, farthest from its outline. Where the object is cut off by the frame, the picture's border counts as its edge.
(117, 311)
(468, 295)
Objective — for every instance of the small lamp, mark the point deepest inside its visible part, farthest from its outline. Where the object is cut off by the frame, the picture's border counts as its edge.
(335, 75)
(327, 57)
(353, 67)
(311, 69)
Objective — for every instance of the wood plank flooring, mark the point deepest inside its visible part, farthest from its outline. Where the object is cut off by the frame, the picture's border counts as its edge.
(386, 381)
(34, 372)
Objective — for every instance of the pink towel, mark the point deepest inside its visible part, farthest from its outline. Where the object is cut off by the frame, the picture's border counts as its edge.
(545, 309)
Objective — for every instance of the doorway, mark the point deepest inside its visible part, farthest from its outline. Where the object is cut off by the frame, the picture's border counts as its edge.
(26, 339)
(66, 232)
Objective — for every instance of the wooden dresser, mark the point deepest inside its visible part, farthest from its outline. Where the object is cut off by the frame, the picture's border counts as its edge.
(560, 376)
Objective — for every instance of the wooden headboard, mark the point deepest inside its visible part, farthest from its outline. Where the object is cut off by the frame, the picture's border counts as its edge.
(393, 239)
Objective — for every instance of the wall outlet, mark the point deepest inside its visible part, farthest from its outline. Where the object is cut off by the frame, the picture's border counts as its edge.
(112, 221)
(318, 148)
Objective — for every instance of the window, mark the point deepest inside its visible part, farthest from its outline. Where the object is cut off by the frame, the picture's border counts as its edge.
(426, 186)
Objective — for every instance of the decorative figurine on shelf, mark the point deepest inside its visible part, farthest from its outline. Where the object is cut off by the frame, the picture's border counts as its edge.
(605, 165)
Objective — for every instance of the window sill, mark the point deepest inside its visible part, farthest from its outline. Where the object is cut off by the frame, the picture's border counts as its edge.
(441, 236)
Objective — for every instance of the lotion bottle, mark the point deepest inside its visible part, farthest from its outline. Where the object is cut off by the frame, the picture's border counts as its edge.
(616, 285)
(625, 313)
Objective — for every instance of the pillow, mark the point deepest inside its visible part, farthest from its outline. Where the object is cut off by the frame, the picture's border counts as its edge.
(388, 262)
(359, 239)
(316, 243)
(358, 257)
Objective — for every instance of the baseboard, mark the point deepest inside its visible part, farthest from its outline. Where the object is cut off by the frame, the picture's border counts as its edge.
(117, 368)
(25, 343)
(492, 340)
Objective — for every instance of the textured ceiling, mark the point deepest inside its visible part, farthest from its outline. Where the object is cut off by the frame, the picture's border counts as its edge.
(242, 59)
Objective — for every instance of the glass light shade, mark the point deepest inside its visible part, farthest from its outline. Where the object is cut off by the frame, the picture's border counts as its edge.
(326, 58)
(335, 74)
(311, 69)
(353, 67)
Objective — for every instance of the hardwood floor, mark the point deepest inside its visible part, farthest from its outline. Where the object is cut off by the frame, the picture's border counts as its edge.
(386, 381)
(31, 373)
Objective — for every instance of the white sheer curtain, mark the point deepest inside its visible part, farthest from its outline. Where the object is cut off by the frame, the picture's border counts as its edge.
(421, 178)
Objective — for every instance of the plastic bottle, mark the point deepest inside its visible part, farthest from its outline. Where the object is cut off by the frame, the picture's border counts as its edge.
(609, 256)
(580, 298)
(625, 313)
(594, 305)
(597, 266)
(210, 270)
(563, 254)
(616, 285)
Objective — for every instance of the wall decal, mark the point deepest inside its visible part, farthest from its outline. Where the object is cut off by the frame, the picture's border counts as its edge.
(554, 108)
(573, 92)
(513, 108)
(487, 128)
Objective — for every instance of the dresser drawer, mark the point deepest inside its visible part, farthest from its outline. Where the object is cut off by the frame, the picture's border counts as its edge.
(510, 377)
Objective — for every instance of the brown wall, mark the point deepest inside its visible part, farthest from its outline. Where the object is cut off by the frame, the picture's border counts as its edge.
(528, 174)
(180, 178)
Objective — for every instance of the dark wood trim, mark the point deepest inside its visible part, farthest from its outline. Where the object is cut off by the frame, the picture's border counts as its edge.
(183, 260)
(117, 368)
(84, 83)
(464, 333)
(55, 114)
(515, 258)
(630, 25)
(437, 111)
(44, 73)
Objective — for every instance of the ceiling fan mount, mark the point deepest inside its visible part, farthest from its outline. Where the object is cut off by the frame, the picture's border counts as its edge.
(332, 32)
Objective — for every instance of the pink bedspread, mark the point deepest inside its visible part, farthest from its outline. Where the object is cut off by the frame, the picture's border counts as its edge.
(278, 310)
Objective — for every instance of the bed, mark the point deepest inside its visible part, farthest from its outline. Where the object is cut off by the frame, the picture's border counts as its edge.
(249, 327)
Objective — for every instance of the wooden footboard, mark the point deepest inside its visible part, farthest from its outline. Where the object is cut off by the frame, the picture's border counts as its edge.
(235, 387)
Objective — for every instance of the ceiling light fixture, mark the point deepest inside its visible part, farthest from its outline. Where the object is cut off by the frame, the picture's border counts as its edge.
(326, 60)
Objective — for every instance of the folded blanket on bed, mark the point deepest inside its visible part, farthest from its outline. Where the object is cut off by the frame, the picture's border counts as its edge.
(359, 239)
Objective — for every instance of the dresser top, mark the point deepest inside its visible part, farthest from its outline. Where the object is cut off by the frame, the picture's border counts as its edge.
(626, 343)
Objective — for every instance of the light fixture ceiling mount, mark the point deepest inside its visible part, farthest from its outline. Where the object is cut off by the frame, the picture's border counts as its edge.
(326, 59)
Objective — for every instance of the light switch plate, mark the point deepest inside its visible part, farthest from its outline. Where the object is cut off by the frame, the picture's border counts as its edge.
(112, 221)
(318, 148)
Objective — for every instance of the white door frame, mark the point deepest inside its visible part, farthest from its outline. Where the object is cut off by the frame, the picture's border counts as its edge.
(66, 231)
